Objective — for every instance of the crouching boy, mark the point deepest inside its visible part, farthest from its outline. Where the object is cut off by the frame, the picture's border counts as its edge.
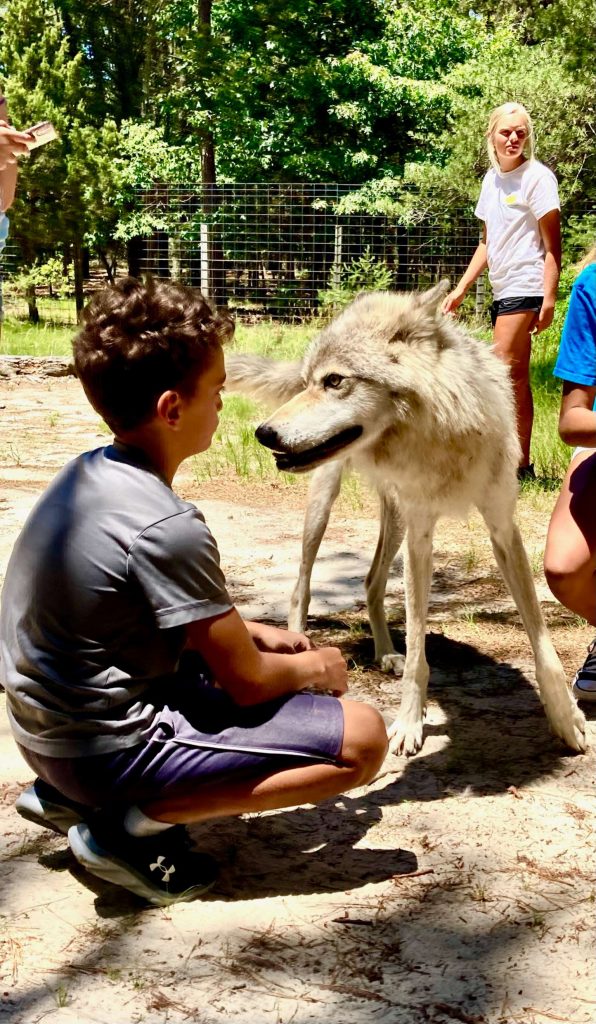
(136, 692)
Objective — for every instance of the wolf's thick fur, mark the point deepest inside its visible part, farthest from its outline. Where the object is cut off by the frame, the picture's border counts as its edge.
(424, 411)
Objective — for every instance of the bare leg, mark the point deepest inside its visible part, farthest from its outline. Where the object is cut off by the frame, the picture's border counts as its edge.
(363, 750)
(570, 554)
(406, 732)
(565, 718)
(391, 534)
(323, 490)
(512, 340)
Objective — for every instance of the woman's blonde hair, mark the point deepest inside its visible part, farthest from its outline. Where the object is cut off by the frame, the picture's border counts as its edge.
(495, 116)
(590, 257)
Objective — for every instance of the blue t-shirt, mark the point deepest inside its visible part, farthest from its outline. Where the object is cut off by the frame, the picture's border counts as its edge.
(576, 360)
(4, 225)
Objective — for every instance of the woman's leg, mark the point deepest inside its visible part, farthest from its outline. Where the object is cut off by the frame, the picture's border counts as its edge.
(362, 753)
(512, 340)
(570, 553)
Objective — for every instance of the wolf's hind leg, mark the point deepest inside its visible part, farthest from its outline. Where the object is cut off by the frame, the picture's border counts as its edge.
(323, 489)
(565, 718)
(391, 532)
(405, 735)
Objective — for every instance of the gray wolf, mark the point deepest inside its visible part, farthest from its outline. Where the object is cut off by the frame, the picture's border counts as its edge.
(425, 412)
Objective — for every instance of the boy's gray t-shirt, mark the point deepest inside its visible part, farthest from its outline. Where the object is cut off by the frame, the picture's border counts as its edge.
(109, 568)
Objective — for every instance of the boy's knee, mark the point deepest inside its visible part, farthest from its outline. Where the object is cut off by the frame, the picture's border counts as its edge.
(365, 740)
(561, 577)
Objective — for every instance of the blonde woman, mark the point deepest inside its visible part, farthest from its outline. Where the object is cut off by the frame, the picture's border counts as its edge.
(570, 555)
(521, 246)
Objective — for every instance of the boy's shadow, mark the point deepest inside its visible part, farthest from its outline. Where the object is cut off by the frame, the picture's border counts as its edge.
(293, 852)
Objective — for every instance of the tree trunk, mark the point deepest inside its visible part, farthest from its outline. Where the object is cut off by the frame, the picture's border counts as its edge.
(32, 304)
(134, 255)
(77, 261)
(216, 264)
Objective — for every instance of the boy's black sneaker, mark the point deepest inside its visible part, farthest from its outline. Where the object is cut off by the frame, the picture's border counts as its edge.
(163, 869)
(584, 684)
(46, 806)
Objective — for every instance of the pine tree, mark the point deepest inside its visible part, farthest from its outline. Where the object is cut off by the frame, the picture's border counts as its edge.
(61, 185)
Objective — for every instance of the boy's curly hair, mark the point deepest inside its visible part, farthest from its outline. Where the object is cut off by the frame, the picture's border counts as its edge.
(140, 339)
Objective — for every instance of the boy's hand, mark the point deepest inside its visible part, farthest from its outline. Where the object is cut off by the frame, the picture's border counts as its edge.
(231, 648)
(278, 641)
(335, 671)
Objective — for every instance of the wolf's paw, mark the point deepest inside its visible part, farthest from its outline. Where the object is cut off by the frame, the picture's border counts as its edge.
(567, 721)
(405, 737)
(393, 662)
(564, 717)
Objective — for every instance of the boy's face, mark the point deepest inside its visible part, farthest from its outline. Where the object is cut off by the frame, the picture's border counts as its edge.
(201, 409)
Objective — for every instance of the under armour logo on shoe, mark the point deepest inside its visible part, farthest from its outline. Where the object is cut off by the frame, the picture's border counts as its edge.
(160, 866)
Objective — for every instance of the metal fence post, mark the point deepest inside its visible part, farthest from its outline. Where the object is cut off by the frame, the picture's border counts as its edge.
(337, 256)
(205, 260)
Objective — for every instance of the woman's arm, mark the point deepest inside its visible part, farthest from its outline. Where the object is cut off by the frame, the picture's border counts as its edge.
(252, 676)
(550, 232)
(8, 184)
(477, 265)
(577, 420)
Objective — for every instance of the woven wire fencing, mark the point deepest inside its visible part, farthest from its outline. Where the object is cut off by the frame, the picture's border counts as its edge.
(283, 251)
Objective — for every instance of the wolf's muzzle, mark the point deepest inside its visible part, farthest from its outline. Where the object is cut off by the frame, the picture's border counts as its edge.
(299, 461)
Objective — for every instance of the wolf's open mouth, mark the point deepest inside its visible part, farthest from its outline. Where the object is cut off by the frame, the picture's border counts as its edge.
(294, 462)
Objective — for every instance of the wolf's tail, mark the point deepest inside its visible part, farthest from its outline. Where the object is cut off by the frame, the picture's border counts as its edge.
(269, 380)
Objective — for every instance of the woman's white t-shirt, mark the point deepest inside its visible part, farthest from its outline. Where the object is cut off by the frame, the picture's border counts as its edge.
(511, 203)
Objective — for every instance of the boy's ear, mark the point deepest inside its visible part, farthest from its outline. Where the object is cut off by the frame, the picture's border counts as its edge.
(168, 408)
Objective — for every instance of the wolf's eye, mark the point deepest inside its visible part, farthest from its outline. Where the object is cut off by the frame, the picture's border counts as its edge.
(332, 380)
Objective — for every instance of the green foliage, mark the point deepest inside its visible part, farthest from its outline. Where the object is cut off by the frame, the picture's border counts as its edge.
(367, 273)
(62, 186)
(51, 275)
(395, 94)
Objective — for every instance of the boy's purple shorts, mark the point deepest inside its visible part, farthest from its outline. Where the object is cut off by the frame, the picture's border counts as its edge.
(202, 736)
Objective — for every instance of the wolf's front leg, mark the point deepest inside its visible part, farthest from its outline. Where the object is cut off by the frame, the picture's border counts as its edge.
(322, 492)
(405, 735)
(391, 532)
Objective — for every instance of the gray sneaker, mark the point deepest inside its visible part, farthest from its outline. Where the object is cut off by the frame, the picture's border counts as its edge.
(45, 806)
(584, 684)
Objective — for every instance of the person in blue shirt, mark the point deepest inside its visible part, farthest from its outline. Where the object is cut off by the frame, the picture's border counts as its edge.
(570, 554)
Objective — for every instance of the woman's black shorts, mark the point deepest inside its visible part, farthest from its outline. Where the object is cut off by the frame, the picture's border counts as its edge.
(524, 304)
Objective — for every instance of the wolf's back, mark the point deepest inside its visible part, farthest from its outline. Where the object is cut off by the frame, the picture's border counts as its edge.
(269, 380)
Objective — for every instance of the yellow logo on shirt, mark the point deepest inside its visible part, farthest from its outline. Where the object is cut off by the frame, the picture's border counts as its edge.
(510, 200)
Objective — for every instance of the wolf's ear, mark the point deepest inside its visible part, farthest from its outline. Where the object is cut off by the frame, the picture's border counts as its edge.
(433, 296)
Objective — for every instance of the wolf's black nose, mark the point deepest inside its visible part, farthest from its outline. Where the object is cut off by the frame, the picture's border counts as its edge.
(267, 436)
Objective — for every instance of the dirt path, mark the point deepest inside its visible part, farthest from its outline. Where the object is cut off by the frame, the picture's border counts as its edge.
(458, 888)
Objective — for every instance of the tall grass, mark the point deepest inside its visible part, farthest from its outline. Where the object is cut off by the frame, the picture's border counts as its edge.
(19, 338)
(235, 448)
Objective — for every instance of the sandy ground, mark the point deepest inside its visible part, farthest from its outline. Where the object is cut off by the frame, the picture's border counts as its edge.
(459, 887)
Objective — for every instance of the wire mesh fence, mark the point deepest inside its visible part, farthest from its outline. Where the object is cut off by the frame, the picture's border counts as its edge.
(286, 251)
(281, 251)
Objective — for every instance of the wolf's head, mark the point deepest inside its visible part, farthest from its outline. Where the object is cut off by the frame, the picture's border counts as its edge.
(363, 374)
